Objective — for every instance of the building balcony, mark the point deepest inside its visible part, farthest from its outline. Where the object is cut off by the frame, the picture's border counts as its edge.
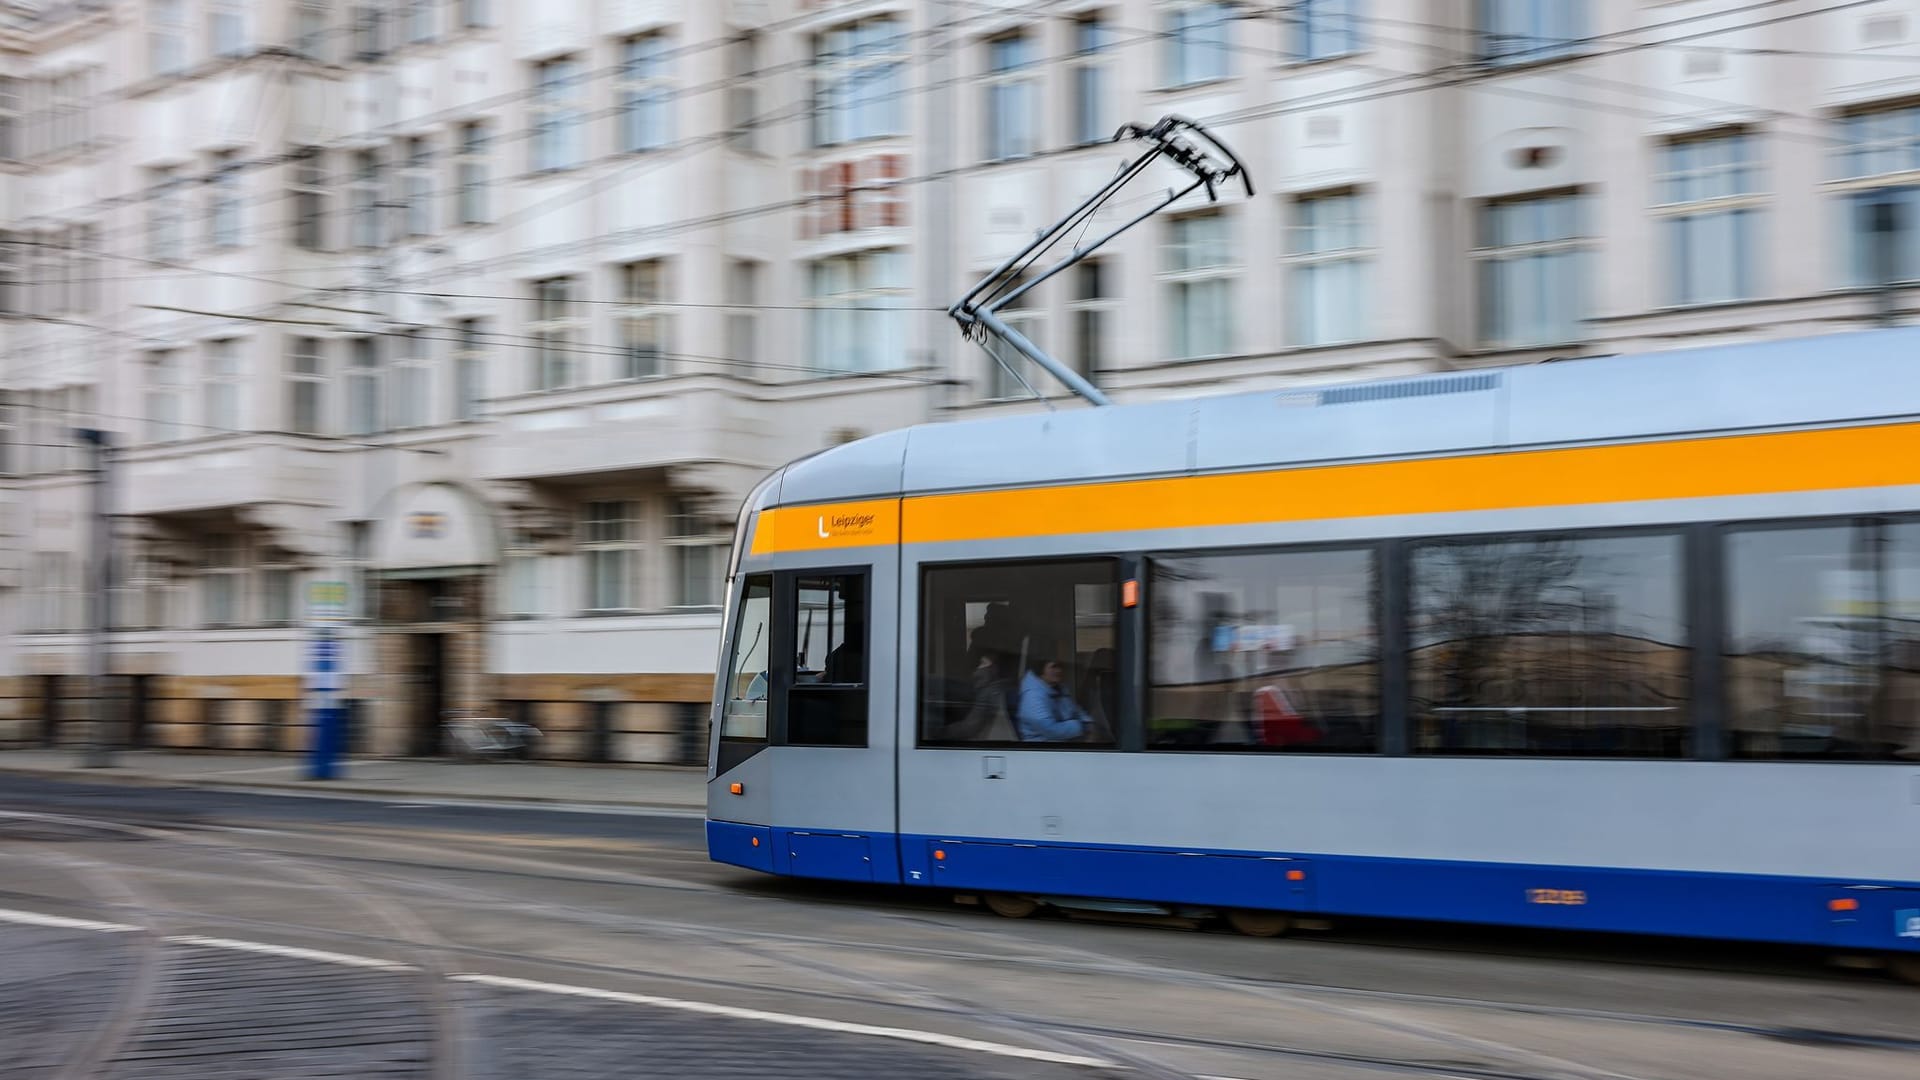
(700, 427)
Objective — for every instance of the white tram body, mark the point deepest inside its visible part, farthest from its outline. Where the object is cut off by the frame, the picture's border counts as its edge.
(1626, 644)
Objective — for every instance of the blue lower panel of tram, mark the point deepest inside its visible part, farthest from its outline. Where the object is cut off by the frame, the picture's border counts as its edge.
(1878, 915)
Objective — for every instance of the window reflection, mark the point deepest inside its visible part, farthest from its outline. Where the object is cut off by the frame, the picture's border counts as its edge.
(1019, 653)
(1274, 651)
(1823, 645)
(1555, 647)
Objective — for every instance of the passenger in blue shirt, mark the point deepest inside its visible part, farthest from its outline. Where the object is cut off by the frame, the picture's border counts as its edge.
(1047, 712)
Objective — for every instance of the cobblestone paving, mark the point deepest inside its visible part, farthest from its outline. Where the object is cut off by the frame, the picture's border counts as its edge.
(220, 1014)
(537, 1037)
(57, 988)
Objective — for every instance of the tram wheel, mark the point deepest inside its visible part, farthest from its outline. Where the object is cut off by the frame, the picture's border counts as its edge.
(1010, 906)
(1259, 923)
(1905, 968)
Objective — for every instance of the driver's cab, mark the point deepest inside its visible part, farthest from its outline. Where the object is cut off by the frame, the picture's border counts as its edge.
(800, 762)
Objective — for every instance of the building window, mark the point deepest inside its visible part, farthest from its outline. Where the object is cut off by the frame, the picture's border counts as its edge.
(166, 37)
(1011, 97)
(306, 386)
(1879, 196)
(313, 31)
(469, 370)
(476, 13)
(309, 200)
(557, 111)
(1093, 309)
(1092, 119)
(1010, 374)
(1199, 268)
(410, 381)
(9, 436)
(856, 320)
(58, 592)
(227, 27)
(10, 119)
(609, 542)
(1324, 29)
(1532, 281)
(1710, 218)
(223, 201)
(554, 327)
(276, 595)
(1019, 654)
(370, 31)
(420, 20)
(165, 215)
(223, 569)
(1529, 31)
(743, 311)
(87, 261)
(646, 93)
(166, 389)
(416, 188)
(1199, 39)
(1278, 651)
(743, 93)
(859, 76)
(363, 386)
(521, 563)
(1328, 259)
(364, 197)
(1557, 647)
(698, 546)
(471, 173)
(644, 323)
(1822, 644)
(220, 388)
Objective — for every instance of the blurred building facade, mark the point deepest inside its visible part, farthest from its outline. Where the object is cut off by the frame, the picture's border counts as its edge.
(494, 311)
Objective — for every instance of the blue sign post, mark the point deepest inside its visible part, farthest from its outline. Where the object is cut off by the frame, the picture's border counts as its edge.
(326, 608)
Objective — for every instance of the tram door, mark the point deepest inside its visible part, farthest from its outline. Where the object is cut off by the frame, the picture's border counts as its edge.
(805, 723)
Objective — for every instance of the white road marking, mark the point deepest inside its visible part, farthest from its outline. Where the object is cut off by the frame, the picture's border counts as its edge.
(35, 918)
(289, 951)
(931, 1038)
(817, 1023)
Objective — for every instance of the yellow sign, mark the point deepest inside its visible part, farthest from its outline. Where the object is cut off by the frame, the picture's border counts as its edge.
(1565, 897)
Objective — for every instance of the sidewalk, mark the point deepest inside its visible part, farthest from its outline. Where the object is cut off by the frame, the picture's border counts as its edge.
(625, 788)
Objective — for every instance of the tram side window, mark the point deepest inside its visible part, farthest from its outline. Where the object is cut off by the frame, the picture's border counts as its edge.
(1823, 642)
(827, 705)
(743, 720)
(1268, 651)
(1551, 646)
(1019, 654)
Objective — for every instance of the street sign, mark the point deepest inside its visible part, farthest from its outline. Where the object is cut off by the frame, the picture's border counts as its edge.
(327, 601)
(325, 679)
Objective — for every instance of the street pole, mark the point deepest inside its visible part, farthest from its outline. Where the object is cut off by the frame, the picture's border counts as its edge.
(99, 750)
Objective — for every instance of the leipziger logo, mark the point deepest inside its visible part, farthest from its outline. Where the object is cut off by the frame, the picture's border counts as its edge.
(836, 525)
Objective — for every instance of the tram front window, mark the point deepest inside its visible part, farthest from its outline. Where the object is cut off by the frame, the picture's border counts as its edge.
(743, 722)
(1019, 653)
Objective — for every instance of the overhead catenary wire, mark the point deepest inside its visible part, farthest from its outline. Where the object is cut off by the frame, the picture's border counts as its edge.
(737, 214)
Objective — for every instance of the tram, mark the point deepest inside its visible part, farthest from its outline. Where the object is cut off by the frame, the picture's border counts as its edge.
(1625, 644)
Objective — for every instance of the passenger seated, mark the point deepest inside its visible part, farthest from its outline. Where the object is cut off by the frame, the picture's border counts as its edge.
(1047, 713)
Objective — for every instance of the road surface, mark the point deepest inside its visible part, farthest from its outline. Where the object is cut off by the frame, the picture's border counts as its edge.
(162, 933)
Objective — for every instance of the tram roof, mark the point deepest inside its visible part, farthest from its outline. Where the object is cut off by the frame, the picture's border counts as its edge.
(1782, 383)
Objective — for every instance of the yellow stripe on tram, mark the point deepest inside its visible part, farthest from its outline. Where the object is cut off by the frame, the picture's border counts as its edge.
(1831, 459)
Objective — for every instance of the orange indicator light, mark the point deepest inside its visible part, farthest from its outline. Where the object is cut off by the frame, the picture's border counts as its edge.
(756, 841)
(1296, 875)
(1130, 594)
(1844, 905)
(737, 788)
(939, 856)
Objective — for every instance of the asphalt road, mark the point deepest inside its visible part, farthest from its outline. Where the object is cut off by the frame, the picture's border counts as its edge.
(160, 933)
